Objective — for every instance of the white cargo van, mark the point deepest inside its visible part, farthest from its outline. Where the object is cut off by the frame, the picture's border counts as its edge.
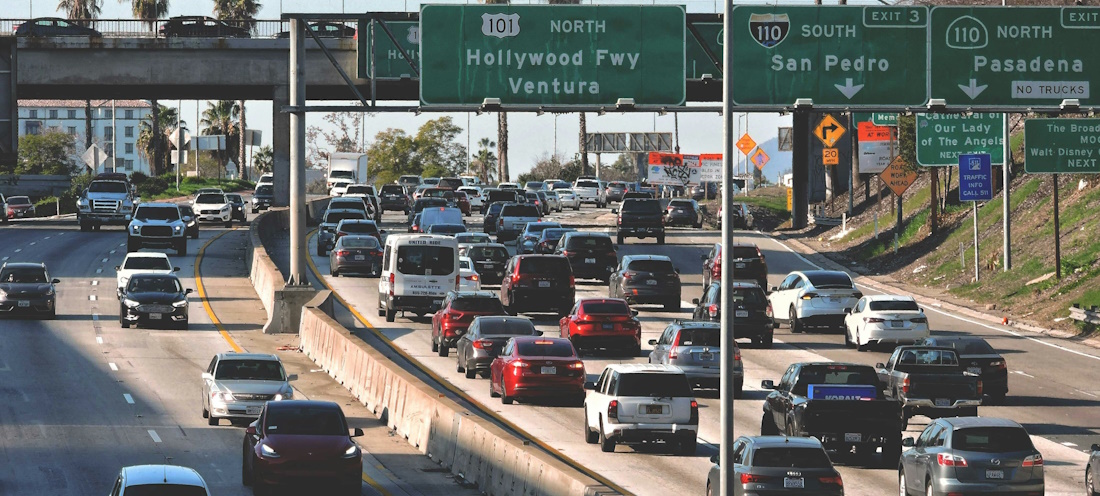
(417, 272)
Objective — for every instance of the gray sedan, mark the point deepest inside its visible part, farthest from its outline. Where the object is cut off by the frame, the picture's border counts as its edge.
(26, 288)
(484, 339)
(971, 455)
(778, 465)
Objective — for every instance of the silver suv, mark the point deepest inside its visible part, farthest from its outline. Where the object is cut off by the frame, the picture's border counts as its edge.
(696, 347)
(158, 225)
(236, 385)
(640, 403)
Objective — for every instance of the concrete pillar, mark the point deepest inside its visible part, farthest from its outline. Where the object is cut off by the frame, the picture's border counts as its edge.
(280, 145)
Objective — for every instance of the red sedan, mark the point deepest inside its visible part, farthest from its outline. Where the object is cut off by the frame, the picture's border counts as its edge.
(450, 322)
(536, 367)
(606, 323)
(462, 202)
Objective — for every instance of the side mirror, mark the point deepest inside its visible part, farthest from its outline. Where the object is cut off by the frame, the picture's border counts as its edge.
(909, 442)
(207, 376)
(55, 281)
(652, 342)
(188, 291)
(847, 310)
(539, 333)
(357, 432)
(175, 269)
(634, 313)
(590, 385)
(1095, 447)
(695, 301)
(880, 365)
(614, 210)
(250, 430)
(714, 458)
(774, 289)
(118, 267)
(381, 231)
(292, 377)
(767, 384)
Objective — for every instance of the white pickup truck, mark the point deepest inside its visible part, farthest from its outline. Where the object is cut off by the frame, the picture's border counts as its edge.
(589, 191)
(513, 218)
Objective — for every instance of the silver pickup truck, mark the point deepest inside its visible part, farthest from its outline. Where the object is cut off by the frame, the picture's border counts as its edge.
(513, 218)
(589, 191)
(105, 202)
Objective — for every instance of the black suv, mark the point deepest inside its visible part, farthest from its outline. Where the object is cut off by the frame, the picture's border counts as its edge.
(646, 279)
(393, 197)
(591, 254)
(489, 260)
(752, 314)
(539, 283)
(639, 218)
(747, 259)
(492, 215)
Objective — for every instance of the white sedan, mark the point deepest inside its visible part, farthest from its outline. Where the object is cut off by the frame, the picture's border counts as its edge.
(213, 207)
(339, 188)
(568, 199)
(470, 280)
(884, 319)
(142, 263)
(814, 298)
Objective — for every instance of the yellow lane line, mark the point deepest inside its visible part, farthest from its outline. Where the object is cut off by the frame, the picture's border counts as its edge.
(454, 389)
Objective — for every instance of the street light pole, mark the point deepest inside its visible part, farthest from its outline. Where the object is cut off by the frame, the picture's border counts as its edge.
(725, 450)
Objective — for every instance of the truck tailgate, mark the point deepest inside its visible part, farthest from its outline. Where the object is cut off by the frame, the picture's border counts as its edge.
(850, 416)
(948, 386)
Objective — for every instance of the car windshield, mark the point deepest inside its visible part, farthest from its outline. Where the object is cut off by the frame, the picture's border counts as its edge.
(564, 192)
(19, 201)
(249, 370)
(450, 182)
(700, 337)
(147, 263)
(265, 189)
(659, 266)
(393, 189)
(423, 260)
(608, 307)
(534, 185)
(336, 217)
(555, 234)
(498, 253)
(477, 304)
(107, 187)
(154, 285)
(791, 458)
(473, 238)
(514, 326)
(157, 213)
(537, 228)
(494, 208)
(661, 385)
(293, 420)
(358, 227)
(749, 295)
(446, 228)
(587, 184)
(366, 242)
(165, 490)
(991, 439)
(641, 207)
(359, 190)
(423, 203)
(823, 280)
(968, 346)
(928, 357)
(681, 204)
(745, 252)
(211, 198)
(545, 348)
(589, 243)
(347, 203)
(895, 305)
(465, 264)
(833, 374)
(545, 265)
(520, 211)
(23, 275)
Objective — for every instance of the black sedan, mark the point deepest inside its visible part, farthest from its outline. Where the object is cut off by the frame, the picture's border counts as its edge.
(979, 358)
(646, 279)
(53, 26)
(237, 201)
(489, 260)
(262, 198)
(591, 254)
(356, 254)
(26, 288)
(200, 27)
(683, 213)
(187, 214)
(154, 299)
(548, 239)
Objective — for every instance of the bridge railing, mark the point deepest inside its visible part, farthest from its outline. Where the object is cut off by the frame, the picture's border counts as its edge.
(133, 28)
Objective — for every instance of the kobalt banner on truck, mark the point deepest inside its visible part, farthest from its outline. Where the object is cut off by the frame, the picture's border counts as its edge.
(560, 55)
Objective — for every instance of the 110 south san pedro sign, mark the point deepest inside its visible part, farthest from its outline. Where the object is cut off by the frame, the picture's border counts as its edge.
(559, 55)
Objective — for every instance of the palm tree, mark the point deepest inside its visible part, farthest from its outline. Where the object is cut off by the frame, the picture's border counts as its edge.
(81, 11)
(263, 160)
(240, 13)
(220, 118)
(485, 161)
(502, 126)
(148, 11)
(153, 134)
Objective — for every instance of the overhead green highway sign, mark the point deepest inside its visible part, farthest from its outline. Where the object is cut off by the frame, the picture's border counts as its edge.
(841, 56)
(1014, 56)
(388, 62)
(1065, 146)
(552, 55)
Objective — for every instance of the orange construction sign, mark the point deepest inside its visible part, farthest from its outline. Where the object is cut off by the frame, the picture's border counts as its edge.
(746, 144)
(871, 132)
(897, 176)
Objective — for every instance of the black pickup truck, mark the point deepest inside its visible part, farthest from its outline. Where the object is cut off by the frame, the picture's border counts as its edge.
(639, 218)
(841, 404)
(929, 381)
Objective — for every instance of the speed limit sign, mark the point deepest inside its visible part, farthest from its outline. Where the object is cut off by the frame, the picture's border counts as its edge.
(830, 156)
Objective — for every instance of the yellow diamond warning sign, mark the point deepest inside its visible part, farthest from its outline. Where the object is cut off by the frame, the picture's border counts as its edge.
(897, 176)
(829, 130)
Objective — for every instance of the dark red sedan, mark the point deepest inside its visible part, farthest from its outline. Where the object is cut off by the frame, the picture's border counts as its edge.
(606, 323)
(462, 202)
(450, 322)
(537, 367)
(302, 442)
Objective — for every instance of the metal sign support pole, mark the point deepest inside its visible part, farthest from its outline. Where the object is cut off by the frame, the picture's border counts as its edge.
(729, 155)
(976, 258)
(1057, 234)
(297, 154)
(1006, 179)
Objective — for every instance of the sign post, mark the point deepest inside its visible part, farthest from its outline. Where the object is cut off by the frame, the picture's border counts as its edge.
(975, 185)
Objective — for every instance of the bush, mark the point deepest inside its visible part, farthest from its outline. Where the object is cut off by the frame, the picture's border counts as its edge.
(151, 187)
(138, 178)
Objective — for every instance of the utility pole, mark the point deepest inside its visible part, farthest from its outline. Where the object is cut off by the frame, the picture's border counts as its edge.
(297, 154)
(725, 450)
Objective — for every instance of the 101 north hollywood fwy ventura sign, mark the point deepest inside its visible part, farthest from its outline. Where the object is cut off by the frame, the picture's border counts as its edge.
(552, 55)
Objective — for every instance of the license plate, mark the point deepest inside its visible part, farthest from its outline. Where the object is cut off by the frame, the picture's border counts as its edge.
(155, 316)
(974, 370)
(739, 266)
(994, 474)
(360, 257)
(943, 402)
(651, 282)
(853, 437)
(550, 370)
(24, 303)
(544, 284)
(794, 482)
(654, 409)
(252, 410)
(609, 326)
(590, 260)
(741, 313)
(896, 323)
(706, 356)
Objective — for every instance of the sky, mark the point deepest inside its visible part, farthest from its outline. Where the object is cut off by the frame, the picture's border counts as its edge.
(531, 137)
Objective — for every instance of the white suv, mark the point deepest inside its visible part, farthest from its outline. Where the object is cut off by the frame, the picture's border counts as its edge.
(142, 263)
(636, 403)
(213, 207)
(814, 298)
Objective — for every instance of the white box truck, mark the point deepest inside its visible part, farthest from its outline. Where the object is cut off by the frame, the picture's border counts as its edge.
(346, 167)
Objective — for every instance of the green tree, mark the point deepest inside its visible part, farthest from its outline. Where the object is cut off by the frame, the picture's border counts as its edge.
(152, 140)
(391, 155)
(434, 151)
(220, 118)
(49, 153)
(436, 146)
(263, 160)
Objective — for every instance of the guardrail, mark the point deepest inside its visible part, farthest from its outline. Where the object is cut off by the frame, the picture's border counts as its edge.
(134, 28)
(1091, 316)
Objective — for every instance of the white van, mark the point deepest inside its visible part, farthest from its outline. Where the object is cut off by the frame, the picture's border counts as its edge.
(440, 215)
(417, 272)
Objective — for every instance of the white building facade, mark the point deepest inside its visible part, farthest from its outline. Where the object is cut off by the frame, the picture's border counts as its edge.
(68, 116)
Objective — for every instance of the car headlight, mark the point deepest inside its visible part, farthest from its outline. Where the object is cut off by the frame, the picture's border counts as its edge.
(352, 452)
(3, 293)
(221, 397)
(268, 451)
(82, 202)
(285, 396)
(49, 292)
(130, 303)
(178, 228)
(179, 304)
(136, 229)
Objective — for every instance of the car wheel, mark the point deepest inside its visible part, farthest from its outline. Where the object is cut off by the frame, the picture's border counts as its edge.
(606, 445)
(212, 420)
(320, 250)
(132, 246)
(710, 490)
(504, 398)
(576, 207)
(335, 273)
(205, 412)
(928, 488)
(195, 235)
(902, 491)
(391, 315)
(470, 372)
(796, 326)
(767, 341)
(619, 239)
(124, 324)
(996, 399)
(1090, 482)
(246, 470)
(660, 240)
(435, 346)
(590, 436)
(229, 223)
(738, 388)
(891, 451)
(181, 248)
(848, 343)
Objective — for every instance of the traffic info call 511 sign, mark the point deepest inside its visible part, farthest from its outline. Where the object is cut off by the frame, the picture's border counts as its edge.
(552, 55)
(846, 56)
(1014, 56)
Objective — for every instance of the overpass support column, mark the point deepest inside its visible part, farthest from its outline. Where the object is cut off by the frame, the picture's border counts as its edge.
(9, 105)
(280, 145)
(297, 155)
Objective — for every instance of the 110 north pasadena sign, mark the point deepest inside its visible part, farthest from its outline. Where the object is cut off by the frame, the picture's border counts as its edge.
(560, 55)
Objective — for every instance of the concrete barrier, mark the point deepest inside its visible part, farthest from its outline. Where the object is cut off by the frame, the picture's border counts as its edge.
(472, 448)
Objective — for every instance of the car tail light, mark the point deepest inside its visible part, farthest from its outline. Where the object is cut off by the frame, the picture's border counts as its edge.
(979, 388)
(712, 309)
(998, 364)
(761, 255)
(578, 365)
(613, 410)
(458, 280)
(905, 385)
(694, 412)
(519, 367)
(737, 354)
(873, 320)
(768, 311)
(415, 228)
(483, 344)
(391, 283)
(628, 276)
(471, 277)
(1035, 460)
(447, 317)
(572, 280)
(611, 253)
(343, 253)
(566, 253)
(947, 460)
(753, 478)
(673, 354)
(501, 222)
(809, 296)
(919, 320)
(836, 480)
